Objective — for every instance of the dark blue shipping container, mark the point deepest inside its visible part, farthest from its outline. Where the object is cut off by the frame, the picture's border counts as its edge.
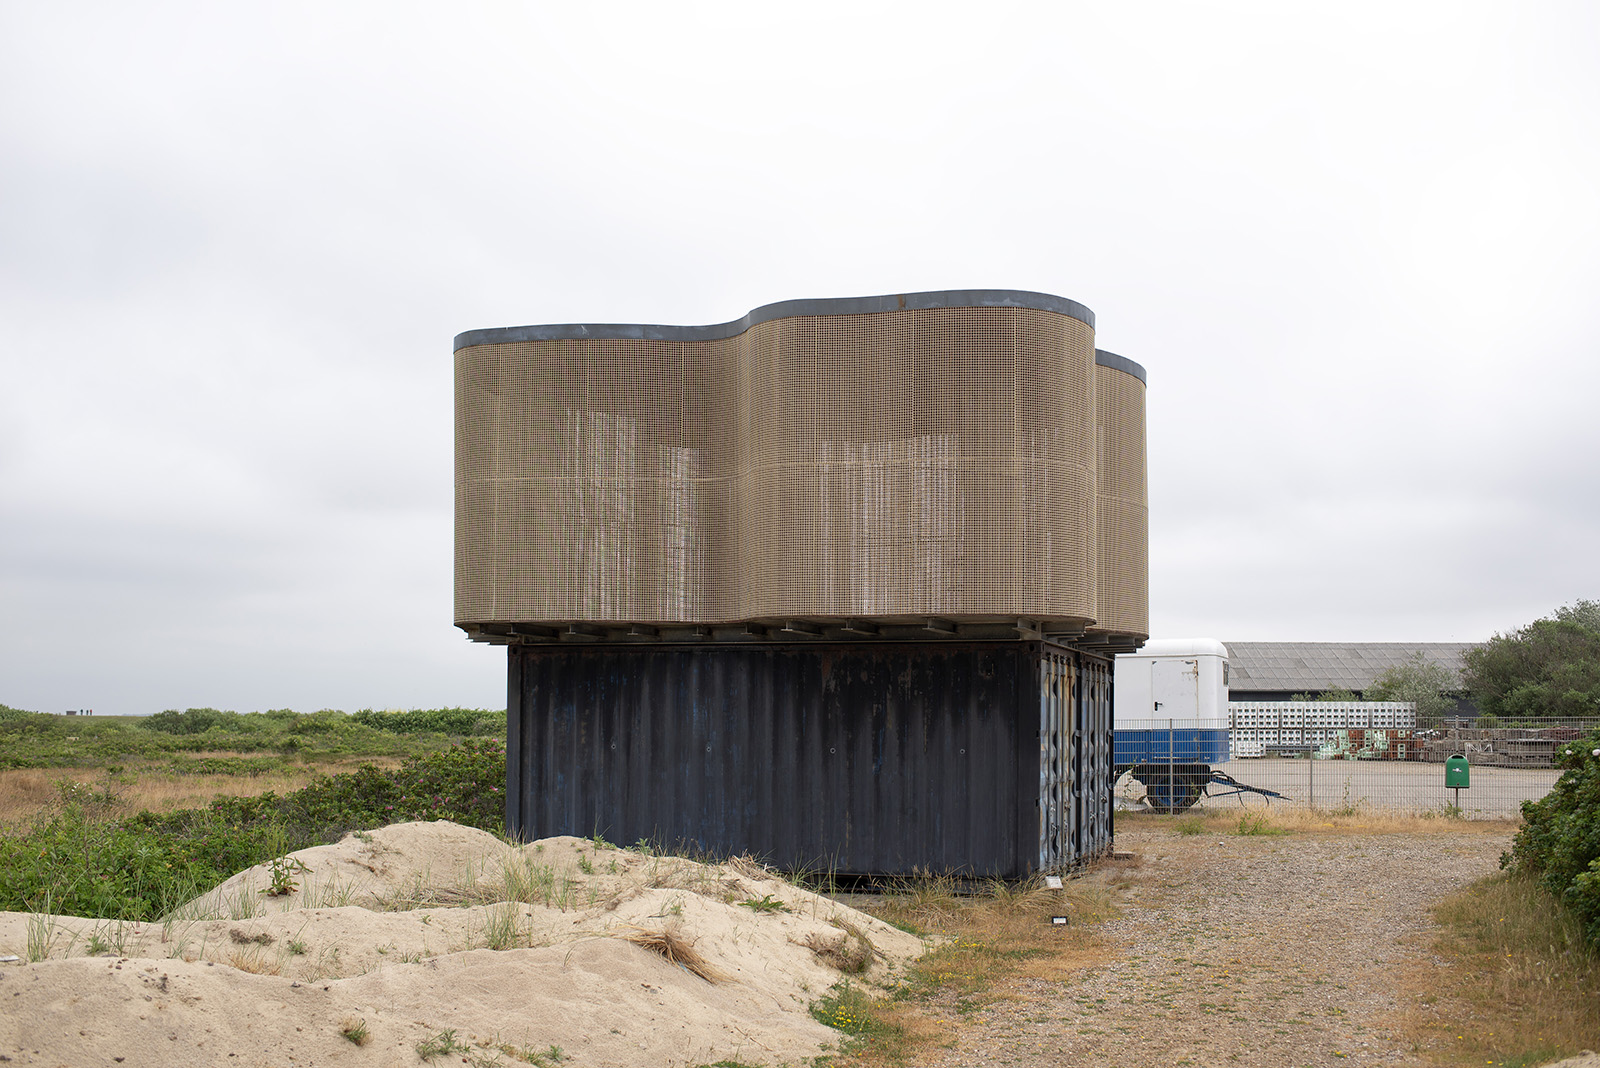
(871, 758)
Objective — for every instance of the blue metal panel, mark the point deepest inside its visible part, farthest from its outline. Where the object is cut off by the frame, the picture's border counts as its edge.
(1183, 745)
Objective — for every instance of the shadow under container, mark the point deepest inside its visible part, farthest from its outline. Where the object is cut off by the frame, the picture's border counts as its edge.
(885, 758)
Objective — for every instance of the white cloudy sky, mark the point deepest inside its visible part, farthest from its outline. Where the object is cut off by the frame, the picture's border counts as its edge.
(1357, 246)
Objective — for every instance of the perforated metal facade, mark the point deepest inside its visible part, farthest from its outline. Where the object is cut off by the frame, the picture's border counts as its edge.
(936, 460)
(1121, 499)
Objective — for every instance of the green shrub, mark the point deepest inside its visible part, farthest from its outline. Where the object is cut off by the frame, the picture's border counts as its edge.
(1559, 842)
(189, 721)
(78, 861)
(327, 721)
(32, 740)
(457, 721)
(187, 765)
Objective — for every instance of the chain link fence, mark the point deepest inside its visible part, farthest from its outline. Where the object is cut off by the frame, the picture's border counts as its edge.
(1313, 755)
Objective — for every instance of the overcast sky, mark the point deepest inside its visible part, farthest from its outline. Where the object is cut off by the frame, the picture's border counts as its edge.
(1356, 246)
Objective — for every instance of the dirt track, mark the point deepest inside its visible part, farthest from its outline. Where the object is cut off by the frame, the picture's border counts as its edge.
(1248, 951)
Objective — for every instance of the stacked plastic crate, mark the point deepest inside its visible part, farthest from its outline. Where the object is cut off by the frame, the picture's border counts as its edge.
(1256, 728)
(1248, 733)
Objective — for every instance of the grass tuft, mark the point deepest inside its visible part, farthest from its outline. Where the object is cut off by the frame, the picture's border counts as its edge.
(673, 947)
(1254, 825)
(502, 927)
(40, 933)
(442, 1044)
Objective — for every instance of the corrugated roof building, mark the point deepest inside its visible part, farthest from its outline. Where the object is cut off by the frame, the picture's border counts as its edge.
(1273, 671)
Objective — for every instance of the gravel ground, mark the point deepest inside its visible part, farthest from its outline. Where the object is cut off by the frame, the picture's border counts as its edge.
(1248, 951)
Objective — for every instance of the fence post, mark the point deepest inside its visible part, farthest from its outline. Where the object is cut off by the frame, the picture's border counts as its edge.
(1172, 785)
(1311, 777)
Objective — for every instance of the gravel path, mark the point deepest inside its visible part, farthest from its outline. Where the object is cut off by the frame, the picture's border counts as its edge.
(1247, 951)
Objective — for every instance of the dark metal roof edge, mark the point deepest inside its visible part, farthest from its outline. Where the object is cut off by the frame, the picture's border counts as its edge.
(786, 309)
(1120, 363)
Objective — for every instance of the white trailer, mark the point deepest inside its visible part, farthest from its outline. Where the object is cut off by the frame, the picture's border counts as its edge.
(1170, 721)
(1172, 702)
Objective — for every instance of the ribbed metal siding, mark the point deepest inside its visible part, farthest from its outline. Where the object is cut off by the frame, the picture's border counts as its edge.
(870, 758)
(1075, 768)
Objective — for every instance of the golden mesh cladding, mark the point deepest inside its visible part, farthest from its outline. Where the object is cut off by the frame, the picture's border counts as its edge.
(924, 455)
(1122, 501)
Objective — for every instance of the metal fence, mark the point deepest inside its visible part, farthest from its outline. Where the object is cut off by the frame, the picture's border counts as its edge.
(1393, 769)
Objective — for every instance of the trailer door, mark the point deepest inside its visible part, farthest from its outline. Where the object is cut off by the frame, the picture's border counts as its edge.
(1175, 691)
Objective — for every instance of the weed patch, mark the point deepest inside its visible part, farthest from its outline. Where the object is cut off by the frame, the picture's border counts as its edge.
(764, 903)
(1253, 825)
(872, 1029)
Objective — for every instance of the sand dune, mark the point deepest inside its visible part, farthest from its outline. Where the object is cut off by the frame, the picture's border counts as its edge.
(423, 930)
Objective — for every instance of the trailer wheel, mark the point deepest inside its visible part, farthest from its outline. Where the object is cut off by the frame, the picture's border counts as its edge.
(1172, 788)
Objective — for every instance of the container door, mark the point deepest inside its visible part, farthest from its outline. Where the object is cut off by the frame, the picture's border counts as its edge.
(1099, 776)
(1056, 780)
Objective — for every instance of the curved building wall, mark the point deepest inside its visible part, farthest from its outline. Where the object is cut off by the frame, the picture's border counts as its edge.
(1122, 499)
(890, 458)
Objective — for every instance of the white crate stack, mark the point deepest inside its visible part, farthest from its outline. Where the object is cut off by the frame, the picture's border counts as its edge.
(1254, 727)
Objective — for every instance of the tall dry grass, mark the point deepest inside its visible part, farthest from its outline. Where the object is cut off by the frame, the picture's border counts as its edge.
(26, 792)
(1296, 819)
(1521, 987)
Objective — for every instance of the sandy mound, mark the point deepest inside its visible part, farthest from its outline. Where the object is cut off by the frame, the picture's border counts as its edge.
(420, 929)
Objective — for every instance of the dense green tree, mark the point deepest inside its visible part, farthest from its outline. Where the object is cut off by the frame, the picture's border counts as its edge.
(1551, 667)
(1419, 680)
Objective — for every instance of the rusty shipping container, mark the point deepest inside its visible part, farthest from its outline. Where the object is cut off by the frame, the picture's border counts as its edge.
(874, 758)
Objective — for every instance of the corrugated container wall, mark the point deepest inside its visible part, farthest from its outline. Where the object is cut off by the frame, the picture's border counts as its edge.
(986, 759)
